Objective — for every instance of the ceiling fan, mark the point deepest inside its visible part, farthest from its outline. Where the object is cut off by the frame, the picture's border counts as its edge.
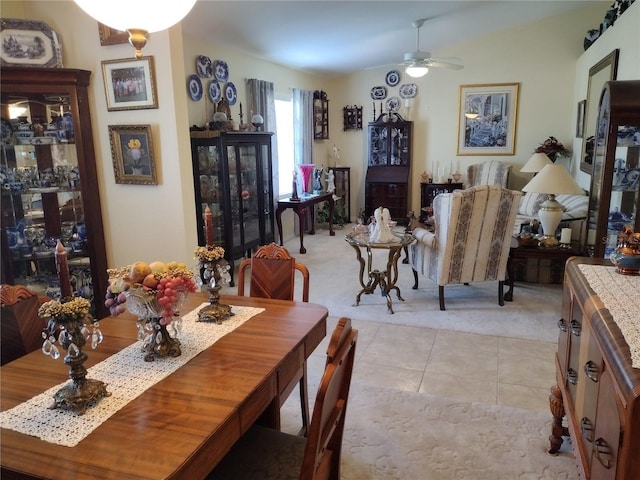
(417, 63)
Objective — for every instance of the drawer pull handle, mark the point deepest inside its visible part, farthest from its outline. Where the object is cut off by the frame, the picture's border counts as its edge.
(576, 328)
(562, 325)
(587, 429)
(602, 449)
(592, 370)
(572, 376)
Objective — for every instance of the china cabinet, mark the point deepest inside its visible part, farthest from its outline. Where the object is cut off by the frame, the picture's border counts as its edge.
(232, 174)
(49, 183)
(389, 161)
(614, 197)
(320, 115)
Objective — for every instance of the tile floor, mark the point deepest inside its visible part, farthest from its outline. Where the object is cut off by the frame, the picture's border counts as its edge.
(464, 366)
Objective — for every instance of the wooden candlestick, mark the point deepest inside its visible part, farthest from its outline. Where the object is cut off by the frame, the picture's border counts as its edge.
(63, 271)
(208, 225)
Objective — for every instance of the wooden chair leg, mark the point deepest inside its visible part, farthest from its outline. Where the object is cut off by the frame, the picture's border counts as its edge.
(415, 279)
(304, 402)
(501, 293)
(441, 296)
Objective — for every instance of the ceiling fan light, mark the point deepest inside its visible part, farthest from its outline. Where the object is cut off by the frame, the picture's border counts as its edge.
(417, 70)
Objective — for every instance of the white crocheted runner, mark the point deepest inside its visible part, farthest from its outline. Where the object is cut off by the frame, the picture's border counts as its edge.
(620, 294)
(66, 428)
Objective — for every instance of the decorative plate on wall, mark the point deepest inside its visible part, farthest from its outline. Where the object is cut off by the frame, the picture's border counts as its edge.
(379, 93)
(215, 92)
(408, 90)
(204, 66)
(393, 78)
(393, 104)
(230, 93)
(221, 71)
(194, 86)
(28, 43)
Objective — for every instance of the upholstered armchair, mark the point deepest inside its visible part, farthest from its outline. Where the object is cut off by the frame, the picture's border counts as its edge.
(471, 241)
(489, 173)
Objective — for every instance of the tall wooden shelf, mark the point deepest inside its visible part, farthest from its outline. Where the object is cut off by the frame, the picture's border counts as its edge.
(615, 179)
(56, 184)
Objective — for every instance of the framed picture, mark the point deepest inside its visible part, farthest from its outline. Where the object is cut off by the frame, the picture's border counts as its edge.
(129, 84)
(111, 36)
(580, 119)
(487, 119)
(132, 152)
(603, 71)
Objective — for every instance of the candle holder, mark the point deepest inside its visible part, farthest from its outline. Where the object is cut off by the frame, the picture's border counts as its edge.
(214, 273)
(68, 323)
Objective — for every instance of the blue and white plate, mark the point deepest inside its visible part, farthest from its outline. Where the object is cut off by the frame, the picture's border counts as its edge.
(194, 85)
(204, 66)
(7, 130)
(221, 71)
(393, 104)
(215, 93)
(393, 78)
(379, 93)
(230, 93)
(408, 90)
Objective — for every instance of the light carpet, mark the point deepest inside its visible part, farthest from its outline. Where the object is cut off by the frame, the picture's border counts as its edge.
(334, 274)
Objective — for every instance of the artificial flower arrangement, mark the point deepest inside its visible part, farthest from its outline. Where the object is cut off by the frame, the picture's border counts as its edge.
(167, 282)
(553, 149)
(211, 257)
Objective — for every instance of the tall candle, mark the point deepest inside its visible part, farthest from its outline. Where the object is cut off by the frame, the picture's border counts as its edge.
(208, 225)
(565, 235)
(240, 109)
(63, 271)
(591, 237)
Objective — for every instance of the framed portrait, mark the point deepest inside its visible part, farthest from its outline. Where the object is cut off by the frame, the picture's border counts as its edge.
(487, 119)
(129, 84)
(132, 152)
(603, 71)
(580, 119)
(111, 36)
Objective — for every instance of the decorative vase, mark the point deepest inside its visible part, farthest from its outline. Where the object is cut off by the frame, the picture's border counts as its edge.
(626, 256)
(159, 338)
(72, 334)
(214, 275)
(306, 170)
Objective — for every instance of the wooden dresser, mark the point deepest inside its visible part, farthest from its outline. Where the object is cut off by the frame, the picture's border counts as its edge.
(597, 388)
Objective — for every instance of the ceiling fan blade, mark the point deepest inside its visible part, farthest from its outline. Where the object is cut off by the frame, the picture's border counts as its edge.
(434, 62)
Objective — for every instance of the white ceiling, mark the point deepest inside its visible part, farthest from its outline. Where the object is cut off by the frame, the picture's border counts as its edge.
(335, 37)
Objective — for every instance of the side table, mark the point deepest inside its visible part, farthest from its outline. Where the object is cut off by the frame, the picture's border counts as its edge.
(385, 279)
(520, 254)
(300, 209)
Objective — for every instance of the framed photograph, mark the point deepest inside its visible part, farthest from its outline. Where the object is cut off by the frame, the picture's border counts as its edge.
(132, 152)
(129, 84)
(580, 119)
(28, 43)
(602, 72)
(111, 36)
(487, 119)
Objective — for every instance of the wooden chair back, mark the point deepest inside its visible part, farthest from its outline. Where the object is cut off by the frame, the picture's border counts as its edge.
(273, 272)
(321, 460)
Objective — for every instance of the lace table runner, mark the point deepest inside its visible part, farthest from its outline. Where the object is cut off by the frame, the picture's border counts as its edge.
(620, 294)
(66, 428)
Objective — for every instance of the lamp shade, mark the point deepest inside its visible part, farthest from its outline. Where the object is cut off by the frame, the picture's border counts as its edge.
(553, 179)
(137, 14)
(536, 163)
(416, 70)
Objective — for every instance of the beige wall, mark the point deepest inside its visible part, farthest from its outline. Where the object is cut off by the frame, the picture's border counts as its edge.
(158, 222)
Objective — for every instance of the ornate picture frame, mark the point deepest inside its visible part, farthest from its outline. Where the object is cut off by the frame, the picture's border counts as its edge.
(132, 153)
(487, 119)
(111, 36)
(603, 71)
(129, 84)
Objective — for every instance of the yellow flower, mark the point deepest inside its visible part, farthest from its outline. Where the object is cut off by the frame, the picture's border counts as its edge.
(76, 309)
(208, 254)
(134, 143)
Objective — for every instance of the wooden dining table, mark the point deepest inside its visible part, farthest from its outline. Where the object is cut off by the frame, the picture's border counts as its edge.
(181, 427)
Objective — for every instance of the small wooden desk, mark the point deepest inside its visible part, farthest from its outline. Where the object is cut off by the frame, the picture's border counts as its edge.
(300, 209)
(183, 425)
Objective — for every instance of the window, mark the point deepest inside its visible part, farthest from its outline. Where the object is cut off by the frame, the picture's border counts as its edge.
(284, 132)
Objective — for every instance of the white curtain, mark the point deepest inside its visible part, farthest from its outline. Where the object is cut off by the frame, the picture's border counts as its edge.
(302, 126)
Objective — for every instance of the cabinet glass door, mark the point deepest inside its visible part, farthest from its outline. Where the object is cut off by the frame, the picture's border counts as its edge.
(41, 196)
(210, 169)
(379, 145)
(267, 200)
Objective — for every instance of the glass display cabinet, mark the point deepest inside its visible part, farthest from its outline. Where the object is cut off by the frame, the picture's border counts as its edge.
(232, 175)
(615, 179)
(49, 184)
(389, 161)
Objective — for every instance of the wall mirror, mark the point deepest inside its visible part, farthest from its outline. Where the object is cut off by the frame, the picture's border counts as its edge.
(603, 71)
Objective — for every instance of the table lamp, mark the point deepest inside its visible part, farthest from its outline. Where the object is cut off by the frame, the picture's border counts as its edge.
(536, 163)
(553, 180)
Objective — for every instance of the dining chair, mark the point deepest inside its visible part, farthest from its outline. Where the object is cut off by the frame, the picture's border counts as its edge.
(264, 453)
(273, 274)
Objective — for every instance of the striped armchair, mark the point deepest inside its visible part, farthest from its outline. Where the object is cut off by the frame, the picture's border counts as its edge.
(472, 238)
(489, 173)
